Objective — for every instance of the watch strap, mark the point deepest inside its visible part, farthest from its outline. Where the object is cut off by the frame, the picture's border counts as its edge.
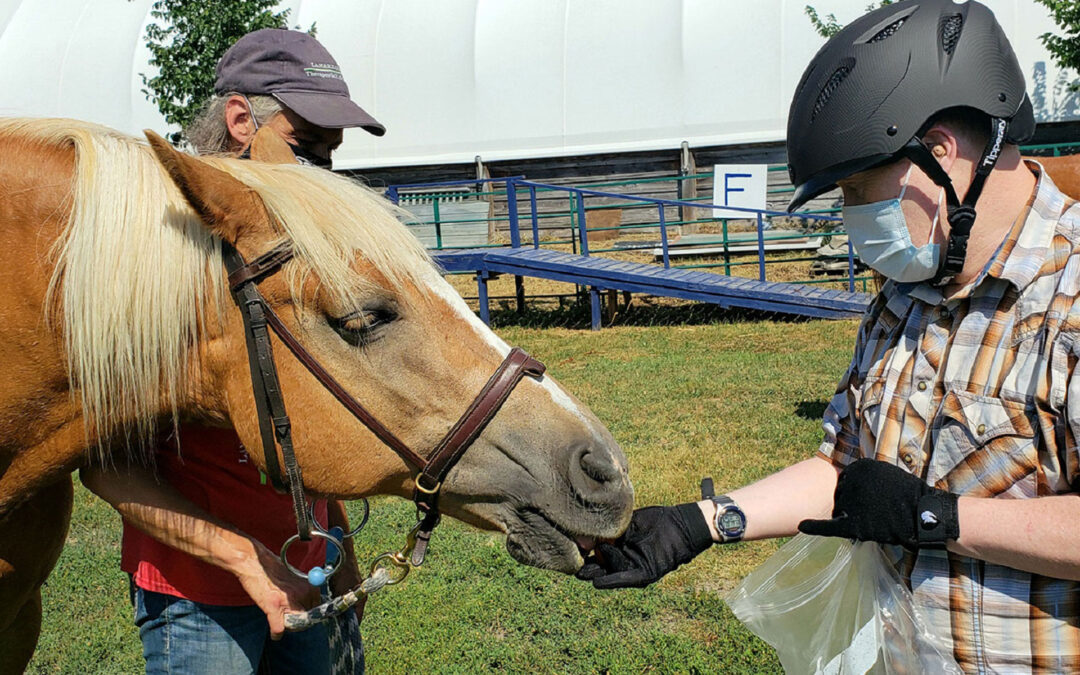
(707, 490)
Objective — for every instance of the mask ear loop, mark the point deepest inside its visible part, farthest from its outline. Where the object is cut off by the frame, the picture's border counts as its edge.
(903, 188)
(937, 214)
(251, 111)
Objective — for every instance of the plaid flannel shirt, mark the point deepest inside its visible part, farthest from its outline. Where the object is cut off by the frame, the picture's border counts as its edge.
(976, 394)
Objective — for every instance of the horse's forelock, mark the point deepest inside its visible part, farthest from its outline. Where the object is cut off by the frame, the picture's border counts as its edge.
(331, 220)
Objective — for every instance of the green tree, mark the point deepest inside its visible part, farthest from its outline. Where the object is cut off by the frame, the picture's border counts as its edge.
(1064, 49)
(186, 40)
(828, 26)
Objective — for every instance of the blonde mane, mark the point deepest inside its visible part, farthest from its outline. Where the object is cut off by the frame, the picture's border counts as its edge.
(138, 275)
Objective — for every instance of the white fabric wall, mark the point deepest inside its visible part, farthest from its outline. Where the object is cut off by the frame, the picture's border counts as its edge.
(504, 79)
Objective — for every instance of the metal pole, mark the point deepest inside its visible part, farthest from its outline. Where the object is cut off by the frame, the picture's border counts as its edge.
(727, 253)
(482, 296)
(519, 291)
(581, 223)
(594, 299)
(851, 266)
(438, 225)
(663, 237)
(535, 217)
(511, 210)
(573, 227)
(761, 247)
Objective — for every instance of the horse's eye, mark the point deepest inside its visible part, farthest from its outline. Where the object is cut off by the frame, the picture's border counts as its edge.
(362, 327)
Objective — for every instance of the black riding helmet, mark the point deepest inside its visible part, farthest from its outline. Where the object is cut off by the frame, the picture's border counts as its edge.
(867, 94)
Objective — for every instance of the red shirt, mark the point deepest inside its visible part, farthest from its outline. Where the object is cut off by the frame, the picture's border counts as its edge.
(214, 472)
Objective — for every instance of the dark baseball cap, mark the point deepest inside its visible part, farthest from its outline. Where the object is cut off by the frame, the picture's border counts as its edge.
(298, 71)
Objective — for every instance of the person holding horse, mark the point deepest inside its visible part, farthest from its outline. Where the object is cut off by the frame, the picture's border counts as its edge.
(201, 536)
(953, 433)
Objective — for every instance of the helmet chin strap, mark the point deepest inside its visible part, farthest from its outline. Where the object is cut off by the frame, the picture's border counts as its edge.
(961, 214)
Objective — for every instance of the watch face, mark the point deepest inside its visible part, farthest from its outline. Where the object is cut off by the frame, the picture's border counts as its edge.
(732, 522)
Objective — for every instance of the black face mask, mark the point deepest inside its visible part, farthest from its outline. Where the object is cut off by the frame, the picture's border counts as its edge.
(303, 156)
(309, 158)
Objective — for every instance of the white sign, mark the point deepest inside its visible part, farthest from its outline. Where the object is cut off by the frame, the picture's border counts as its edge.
(741, 186)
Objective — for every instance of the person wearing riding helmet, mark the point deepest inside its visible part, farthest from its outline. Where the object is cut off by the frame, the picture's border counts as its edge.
(954, 432)
(202, 531)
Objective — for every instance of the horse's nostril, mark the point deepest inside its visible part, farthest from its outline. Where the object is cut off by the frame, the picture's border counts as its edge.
(599, 467)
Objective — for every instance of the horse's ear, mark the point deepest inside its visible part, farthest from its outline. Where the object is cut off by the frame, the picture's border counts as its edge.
(268, 146)
(225, 204)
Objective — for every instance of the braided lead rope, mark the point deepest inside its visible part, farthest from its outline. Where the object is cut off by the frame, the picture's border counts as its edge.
(334, 607)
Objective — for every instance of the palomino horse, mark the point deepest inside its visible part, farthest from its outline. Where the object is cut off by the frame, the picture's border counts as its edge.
(1065, 172)
(116, 321)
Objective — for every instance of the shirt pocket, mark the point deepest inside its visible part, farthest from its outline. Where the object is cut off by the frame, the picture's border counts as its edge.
(984, 447)
(872, 415)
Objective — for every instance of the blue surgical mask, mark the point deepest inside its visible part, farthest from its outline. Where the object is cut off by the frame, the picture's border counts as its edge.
(879, 233)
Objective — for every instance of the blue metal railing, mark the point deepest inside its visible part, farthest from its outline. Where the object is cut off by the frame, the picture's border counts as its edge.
(579, 194)
(579, 239)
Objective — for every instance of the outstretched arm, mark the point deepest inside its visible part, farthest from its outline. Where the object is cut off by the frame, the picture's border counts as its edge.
(164, 514)
(776, 504)
(660, 538)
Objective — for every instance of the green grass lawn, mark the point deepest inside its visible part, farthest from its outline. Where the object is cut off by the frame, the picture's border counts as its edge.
(735, 400)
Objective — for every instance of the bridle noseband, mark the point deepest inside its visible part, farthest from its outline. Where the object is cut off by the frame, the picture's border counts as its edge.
(274, 425)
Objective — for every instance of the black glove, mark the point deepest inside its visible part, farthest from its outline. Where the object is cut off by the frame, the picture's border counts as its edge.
(659, 539)
(876, 501)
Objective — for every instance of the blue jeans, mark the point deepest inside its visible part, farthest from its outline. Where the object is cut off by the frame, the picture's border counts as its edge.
(181, 636)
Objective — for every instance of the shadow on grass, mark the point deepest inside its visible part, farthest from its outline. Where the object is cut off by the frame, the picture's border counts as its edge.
(811, 410)
(577, 315)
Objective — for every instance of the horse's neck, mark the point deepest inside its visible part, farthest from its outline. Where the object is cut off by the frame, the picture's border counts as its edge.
(1065, 172)
(41, 433)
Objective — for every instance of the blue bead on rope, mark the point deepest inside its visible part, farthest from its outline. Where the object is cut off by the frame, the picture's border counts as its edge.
(316, 576)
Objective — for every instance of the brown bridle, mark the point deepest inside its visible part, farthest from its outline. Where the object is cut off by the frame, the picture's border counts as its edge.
(274, 424)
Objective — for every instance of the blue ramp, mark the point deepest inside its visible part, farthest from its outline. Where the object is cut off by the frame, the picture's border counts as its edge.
(605, 274)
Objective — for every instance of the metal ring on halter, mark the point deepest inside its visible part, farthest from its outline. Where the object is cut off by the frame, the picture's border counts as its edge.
(321, 535)
(421, 488)
(352, 533)
(396, 560)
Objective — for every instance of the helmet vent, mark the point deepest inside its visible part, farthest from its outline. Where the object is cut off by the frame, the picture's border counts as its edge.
(834, 81)
(950, 32)
(887, 32)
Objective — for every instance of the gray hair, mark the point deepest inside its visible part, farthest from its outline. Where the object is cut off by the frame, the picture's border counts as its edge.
(209, 134)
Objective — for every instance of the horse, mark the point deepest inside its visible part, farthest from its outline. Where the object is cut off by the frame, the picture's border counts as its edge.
(1065, 172)
(117, 322)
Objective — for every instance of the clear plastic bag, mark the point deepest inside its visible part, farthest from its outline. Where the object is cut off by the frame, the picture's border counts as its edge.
(833, 607)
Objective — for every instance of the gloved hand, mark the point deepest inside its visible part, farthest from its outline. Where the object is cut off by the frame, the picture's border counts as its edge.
(876, 501)
(659, 539)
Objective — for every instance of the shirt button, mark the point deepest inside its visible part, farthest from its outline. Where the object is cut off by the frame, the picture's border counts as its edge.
(981, 429)
(908, 459)
(943, 313)
(921, 386)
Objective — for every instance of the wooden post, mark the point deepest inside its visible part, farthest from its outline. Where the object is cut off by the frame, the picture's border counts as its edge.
(612, 305)
(482, 173)
(688, 167)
